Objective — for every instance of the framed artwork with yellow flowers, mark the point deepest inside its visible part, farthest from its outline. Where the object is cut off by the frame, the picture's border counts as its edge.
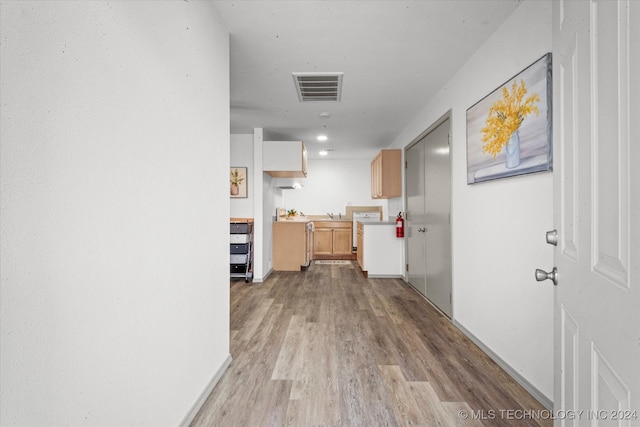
(509, 131)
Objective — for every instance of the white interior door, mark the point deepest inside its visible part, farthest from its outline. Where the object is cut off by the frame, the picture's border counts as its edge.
(428, 187)
(596, 47)
(416, 217)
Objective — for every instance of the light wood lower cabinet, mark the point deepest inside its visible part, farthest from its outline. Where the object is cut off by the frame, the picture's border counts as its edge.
(290, 242)
(342, 244)
(332, 238)
(323, 241)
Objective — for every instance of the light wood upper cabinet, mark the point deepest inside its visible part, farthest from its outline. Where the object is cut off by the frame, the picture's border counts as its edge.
(284, 159)
(386, 174)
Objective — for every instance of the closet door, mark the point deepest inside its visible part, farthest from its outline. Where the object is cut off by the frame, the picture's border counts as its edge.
(416, 217)
(428, 187)
(437, 190)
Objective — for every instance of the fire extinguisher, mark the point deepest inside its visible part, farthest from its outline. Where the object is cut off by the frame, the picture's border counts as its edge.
(399, 225)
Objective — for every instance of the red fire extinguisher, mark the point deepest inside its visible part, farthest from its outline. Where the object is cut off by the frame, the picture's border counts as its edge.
(399, 225)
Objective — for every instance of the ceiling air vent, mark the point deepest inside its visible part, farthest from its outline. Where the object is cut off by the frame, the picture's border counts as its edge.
(318, 86)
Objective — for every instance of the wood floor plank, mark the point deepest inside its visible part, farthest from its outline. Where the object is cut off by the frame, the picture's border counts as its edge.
(289, 363)
(363, 399)
(405, 406)
(317, 384)
(225, 405)
(271, 408)
(269, 331)
(391, 310)
(426, 398)
(454, 415)
(329, 347)
(259, 310)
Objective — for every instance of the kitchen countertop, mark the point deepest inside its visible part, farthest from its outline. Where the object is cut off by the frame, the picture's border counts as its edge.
(343, 219)
(378, 222)
(325, 217)
(312, 219)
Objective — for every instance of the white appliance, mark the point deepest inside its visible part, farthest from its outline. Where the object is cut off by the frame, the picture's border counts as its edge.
(362, 216)
(308, 235)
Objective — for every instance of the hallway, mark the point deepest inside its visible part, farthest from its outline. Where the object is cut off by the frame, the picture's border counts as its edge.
(329, 347)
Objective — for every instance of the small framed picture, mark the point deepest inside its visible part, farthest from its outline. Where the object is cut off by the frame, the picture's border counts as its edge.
(238, 182)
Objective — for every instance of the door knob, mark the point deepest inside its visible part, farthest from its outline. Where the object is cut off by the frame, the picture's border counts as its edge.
(552, 237)
(542, 275)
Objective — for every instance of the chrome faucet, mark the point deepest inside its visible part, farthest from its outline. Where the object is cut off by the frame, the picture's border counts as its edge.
(330, 215)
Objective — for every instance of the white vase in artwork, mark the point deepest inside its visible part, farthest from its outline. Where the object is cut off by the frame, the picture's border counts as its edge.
(512, 151)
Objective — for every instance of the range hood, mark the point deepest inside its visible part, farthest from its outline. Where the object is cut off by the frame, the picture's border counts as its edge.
(289, 183)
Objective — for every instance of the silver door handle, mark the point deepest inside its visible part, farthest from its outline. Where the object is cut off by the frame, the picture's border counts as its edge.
(542, 275)
(552, 237)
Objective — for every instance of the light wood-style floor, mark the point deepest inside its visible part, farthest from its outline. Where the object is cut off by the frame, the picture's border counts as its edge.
(328, 347)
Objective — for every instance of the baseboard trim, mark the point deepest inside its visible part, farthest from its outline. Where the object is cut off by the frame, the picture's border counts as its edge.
(384, 276)
(264, 277)
(540, 397)
(186, 421)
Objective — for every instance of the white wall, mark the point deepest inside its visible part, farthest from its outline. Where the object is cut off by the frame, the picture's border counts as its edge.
(242, 155)
(331, 185)
(263, 196)
(499, 226)
(114, 163)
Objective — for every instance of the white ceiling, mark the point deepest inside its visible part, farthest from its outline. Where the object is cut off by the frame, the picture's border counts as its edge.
(395, 55)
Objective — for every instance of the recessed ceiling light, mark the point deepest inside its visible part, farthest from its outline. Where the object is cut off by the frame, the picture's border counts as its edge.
(322, 138)
(323, 152)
